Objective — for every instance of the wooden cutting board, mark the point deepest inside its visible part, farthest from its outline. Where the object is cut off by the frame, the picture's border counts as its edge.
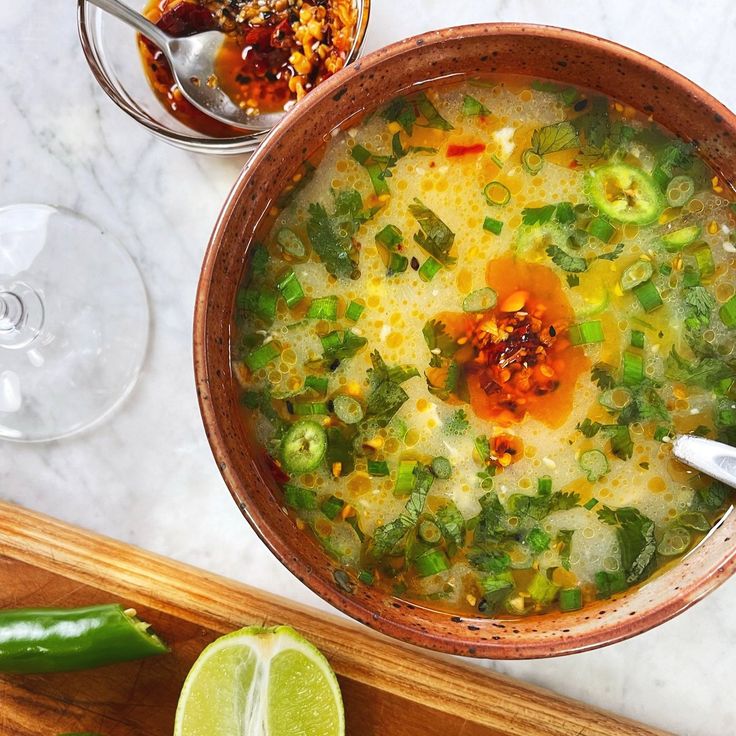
(389, 689)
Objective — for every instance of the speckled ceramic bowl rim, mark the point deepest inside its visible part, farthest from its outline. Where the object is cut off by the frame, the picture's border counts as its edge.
(670, 599)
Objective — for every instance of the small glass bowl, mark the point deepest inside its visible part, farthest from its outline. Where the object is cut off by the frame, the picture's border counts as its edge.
(111, 50)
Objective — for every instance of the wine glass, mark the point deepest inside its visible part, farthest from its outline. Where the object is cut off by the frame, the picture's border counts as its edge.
(73, 323)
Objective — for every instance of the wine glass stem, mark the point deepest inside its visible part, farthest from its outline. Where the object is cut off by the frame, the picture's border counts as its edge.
(11, 311)
(21, 315)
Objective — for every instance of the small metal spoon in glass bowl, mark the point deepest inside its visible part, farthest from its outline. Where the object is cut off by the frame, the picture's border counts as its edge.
(708, 456)
(192, 60)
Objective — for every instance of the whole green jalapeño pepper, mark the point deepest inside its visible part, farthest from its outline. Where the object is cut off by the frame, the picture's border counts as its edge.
(34, 640)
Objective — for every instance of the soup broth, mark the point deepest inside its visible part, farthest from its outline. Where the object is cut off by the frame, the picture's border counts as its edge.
(472, 329)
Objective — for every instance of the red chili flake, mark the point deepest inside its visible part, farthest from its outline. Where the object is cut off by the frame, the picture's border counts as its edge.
(187, 19)
(279, 475)
(454, 149)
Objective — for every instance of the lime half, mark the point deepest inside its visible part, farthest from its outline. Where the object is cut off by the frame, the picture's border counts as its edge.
(260, 682)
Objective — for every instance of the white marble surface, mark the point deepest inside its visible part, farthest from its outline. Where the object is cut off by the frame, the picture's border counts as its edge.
(147, 476)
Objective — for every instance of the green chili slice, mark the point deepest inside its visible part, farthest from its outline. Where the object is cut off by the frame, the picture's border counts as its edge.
(37, 640)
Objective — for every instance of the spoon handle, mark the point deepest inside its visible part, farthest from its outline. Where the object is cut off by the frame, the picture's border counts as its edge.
(710, 457)
(122, 12)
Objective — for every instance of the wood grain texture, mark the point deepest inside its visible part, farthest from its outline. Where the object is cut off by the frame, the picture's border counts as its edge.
(388, 688)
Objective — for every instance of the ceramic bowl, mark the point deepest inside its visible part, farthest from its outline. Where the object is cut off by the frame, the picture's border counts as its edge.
(552, 53)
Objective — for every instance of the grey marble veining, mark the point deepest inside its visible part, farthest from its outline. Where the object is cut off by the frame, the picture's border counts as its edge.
(147, 476)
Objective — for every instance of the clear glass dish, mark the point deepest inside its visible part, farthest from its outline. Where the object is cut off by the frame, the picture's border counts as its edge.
(111, 51)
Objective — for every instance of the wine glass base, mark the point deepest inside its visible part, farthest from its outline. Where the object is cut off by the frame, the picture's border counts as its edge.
(73, 351)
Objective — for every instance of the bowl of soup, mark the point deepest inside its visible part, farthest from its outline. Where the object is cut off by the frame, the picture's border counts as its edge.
(454, 312)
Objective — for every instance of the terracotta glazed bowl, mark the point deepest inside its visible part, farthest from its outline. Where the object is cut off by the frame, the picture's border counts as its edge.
(553, 53)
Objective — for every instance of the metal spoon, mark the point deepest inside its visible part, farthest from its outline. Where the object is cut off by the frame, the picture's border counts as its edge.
(708, 456)
(192, 63)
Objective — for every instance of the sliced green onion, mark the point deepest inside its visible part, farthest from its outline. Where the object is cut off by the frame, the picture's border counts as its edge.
(365, 577)
(431, 562)
(429, 532)
(544, 485)
(690, 276)
(615, 399)
(354, 311)
(324, 307)
(290, 243)
(590, 503)
(390, 236)
(665, 269)
(637, 273)
(317, 383)
(262, 356)
(531, 161)
(677, 240)
(331, 341)
(602, 229)
(375, 171)
(497, 194)
(429, 269)
(441, 467)
(405, 478)
(680, 191)
(571, 599)
(314, 408)
(727, 312)
(347, 409)
(648, 296)
(633, 369)
(480, 300)
(496, 160)
(704, 259)
(397, 263)
(541, 589)
(290, 289)
(300, 498)
(586, 333)
(637, 339)
(378, 468)
(675, 541)
(332, 506)
(492, 225)
(594, 464)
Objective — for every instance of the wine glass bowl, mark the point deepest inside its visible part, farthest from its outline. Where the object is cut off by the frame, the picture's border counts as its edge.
(73, 323)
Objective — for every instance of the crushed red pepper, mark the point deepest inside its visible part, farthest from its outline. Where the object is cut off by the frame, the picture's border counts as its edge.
(273, 52)
(516, 358)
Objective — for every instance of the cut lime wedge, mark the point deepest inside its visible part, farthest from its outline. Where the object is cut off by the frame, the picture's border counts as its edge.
(260, 682)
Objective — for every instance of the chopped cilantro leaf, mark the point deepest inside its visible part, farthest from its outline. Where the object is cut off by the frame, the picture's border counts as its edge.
(613, 254)
(556, 137)
(566, 261)
(434, 237)
(458, 423)
(438, 341)
(537, 215)
(636, 540)
(602, 375)
(332, 235)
